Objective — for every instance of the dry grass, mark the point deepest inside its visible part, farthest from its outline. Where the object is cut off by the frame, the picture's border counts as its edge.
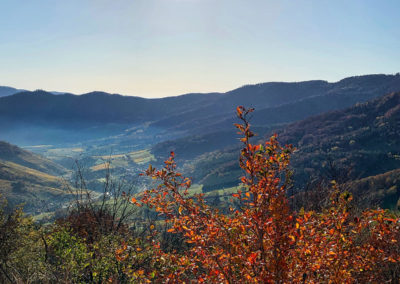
(102, 166)
(17, 170)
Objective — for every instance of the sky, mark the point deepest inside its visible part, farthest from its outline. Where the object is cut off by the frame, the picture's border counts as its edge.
(158, 48)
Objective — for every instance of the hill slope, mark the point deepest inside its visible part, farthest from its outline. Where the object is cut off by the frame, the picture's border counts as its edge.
(39, 192)
(361, 141)
(30, 179)
(12, 153)
(8, 91)
(278, 103)
(209, 129)
(382, 189)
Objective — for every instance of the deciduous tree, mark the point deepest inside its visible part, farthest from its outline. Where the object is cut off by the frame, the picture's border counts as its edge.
(261, 240)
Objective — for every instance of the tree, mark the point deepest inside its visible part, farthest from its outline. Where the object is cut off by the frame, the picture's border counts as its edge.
(262, 240)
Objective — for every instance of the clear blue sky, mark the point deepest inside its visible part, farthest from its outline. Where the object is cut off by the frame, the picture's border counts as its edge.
(156, 48)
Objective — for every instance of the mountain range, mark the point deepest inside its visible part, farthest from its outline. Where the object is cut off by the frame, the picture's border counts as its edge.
(40, 117)
(347, 130)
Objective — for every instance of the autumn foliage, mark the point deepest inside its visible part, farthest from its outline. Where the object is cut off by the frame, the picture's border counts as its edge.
(168, 234)
(260, 239)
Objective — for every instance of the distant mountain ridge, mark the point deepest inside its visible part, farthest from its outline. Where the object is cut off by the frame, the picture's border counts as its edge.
(8, 91)
(212, 132)
(104, 107)
(119, 118)
(286, 102)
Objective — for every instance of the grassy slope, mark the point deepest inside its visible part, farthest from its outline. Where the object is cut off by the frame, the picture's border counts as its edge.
(12, 153)
(37, 190)
(30, 179)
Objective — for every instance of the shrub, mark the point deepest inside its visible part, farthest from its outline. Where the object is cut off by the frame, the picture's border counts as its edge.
(262, 240)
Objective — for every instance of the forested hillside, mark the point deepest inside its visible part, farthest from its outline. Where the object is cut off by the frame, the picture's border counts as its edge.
(357, 142)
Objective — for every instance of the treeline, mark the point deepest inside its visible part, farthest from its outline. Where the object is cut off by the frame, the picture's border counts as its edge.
(169, 235)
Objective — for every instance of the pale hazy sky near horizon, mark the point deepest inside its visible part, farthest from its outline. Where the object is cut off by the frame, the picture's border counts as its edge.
(157, 48)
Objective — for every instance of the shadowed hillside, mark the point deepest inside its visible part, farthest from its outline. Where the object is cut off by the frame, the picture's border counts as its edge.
(360, 141)
(213, 130)
(382, 189)
(278, 103)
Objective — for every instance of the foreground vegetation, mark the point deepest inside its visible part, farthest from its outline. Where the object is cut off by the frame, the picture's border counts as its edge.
(176, 236)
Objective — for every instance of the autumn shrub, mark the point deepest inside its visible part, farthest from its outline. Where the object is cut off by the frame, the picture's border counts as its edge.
(261, 239)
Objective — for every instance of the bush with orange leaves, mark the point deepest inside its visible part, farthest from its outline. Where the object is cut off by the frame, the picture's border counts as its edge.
(262, 240)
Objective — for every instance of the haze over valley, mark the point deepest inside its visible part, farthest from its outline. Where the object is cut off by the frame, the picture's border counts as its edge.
(124, 133)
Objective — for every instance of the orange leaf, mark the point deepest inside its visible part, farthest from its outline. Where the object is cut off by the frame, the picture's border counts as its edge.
(252, 257)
